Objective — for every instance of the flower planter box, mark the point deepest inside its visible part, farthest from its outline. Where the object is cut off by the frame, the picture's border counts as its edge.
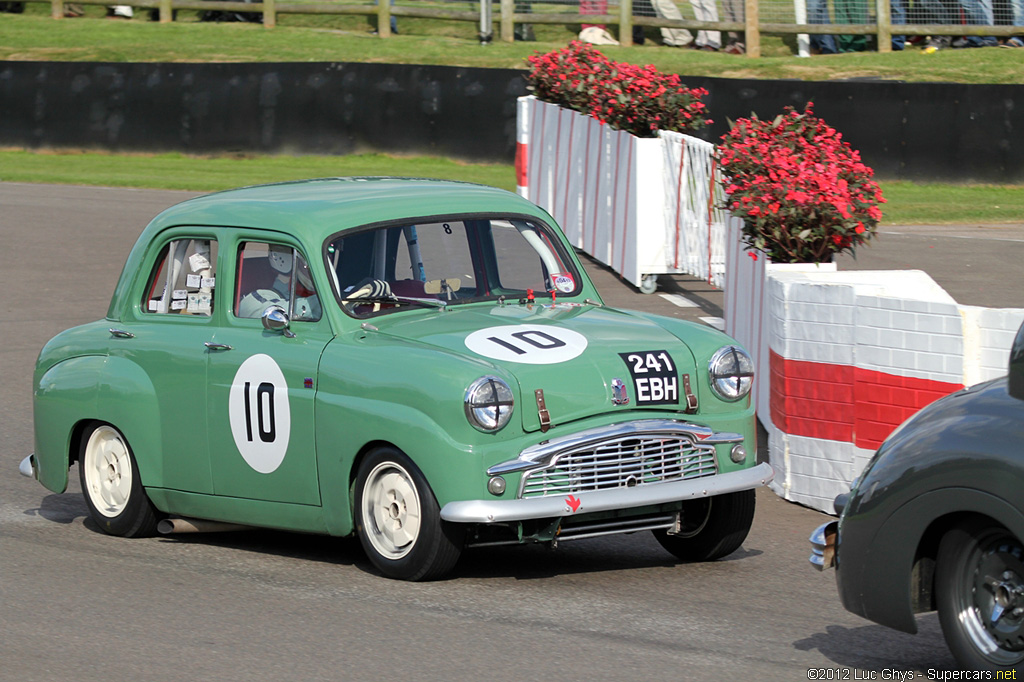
(641, 206)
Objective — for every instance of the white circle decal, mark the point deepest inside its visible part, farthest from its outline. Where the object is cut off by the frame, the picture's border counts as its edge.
(530, 344)
(261, 419)
(564, 283)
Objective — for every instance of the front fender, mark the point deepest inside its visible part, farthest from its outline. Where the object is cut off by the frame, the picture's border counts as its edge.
(875, 569)
(454, 470)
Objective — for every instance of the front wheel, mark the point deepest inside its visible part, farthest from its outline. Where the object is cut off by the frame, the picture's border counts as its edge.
(979, 591)
(399, 521)
(711, 527)
(112, 486)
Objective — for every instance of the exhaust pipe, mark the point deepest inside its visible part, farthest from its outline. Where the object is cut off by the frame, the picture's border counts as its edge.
(178, 525)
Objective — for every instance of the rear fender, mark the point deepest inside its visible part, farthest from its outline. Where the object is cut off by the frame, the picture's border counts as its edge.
(63, 395)
(94, 388)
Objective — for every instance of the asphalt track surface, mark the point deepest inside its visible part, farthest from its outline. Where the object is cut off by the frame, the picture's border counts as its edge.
(259, 605)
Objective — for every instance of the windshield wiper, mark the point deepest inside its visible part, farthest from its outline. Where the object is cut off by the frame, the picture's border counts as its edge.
(425, 302)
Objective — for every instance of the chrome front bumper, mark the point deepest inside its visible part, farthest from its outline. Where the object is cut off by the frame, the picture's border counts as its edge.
(498, 511)
(823, 545)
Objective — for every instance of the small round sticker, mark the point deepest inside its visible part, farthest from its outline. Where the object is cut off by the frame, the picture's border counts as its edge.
(261, 419)
(529, 344)
(564, 282)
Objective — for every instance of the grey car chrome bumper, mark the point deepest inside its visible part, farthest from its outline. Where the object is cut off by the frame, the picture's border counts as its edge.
(28, 467)
(823, 545)
(497, 511)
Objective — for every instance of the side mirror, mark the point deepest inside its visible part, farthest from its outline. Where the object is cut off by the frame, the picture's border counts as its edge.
(1016, 378)
(275, 319)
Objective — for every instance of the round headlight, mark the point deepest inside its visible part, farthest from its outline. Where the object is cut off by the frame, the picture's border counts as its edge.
(731, 372)
(489, 404)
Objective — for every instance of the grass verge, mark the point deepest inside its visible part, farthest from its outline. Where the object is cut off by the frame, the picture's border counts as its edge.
(908, 203)
(34, 36)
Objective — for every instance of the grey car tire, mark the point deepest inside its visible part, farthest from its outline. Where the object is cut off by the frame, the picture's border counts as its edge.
(979, 591)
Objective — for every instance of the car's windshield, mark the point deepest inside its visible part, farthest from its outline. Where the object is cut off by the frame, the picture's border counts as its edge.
(447, 262)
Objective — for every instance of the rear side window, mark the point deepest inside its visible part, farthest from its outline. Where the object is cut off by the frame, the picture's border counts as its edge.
(183, 279)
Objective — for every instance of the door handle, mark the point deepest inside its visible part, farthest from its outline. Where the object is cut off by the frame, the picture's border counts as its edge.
(121, 334)
(217, 346)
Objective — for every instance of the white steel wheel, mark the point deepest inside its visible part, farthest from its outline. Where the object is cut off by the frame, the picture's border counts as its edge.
(107, 468)
(391, 510)
(399, 521)
(111, 485)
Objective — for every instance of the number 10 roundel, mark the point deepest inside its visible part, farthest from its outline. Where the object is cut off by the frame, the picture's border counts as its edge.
(527, 343)
(260, 415)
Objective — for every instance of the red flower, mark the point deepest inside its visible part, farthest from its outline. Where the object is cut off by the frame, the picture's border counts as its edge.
(637, 99)
(802, 192)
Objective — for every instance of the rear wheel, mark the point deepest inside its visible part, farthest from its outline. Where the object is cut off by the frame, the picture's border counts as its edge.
(712, 527)
(979, 591)
(112, 487)
(399, 521)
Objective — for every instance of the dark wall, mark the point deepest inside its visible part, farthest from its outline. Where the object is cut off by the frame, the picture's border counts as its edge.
(294, 108)
(904, 130)
(914, 131)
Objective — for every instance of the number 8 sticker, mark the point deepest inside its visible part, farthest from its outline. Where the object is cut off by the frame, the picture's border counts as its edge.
(529, 344)
(259, 413)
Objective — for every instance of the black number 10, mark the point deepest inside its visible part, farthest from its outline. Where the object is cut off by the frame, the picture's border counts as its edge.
(543, 341)
(268, 432)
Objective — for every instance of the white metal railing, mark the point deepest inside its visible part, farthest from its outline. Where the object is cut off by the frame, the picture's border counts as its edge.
(693, 208)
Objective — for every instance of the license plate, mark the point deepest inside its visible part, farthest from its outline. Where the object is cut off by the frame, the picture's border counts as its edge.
(655, 380)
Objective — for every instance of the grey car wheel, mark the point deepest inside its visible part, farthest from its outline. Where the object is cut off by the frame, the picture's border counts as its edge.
(979, 581)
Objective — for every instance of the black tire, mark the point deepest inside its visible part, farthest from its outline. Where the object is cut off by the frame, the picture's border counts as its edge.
(712, 527)
(979, 573)
(112, 486)
(399, 522)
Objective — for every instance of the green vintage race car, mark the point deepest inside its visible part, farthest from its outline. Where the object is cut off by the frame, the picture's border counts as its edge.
(422, 363)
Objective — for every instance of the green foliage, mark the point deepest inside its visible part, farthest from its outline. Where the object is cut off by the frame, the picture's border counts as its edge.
(908, 203)
(179, 171)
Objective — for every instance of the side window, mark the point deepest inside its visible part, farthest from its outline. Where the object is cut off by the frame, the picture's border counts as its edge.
(183, 280)
(274, 275)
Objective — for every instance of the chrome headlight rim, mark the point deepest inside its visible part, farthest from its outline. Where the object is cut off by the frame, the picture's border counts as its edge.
(740, 375)
(489, 413)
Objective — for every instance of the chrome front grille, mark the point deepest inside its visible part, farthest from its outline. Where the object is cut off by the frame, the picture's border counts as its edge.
(620, 462)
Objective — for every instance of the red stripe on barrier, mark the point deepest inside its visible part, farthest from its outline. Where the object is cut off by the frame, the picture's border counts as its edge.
(679, 196)
(597, 189)
(711, 208)
(568, 162)
(631, 176)
(521, 163)
(845, 403)
(884, 401)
